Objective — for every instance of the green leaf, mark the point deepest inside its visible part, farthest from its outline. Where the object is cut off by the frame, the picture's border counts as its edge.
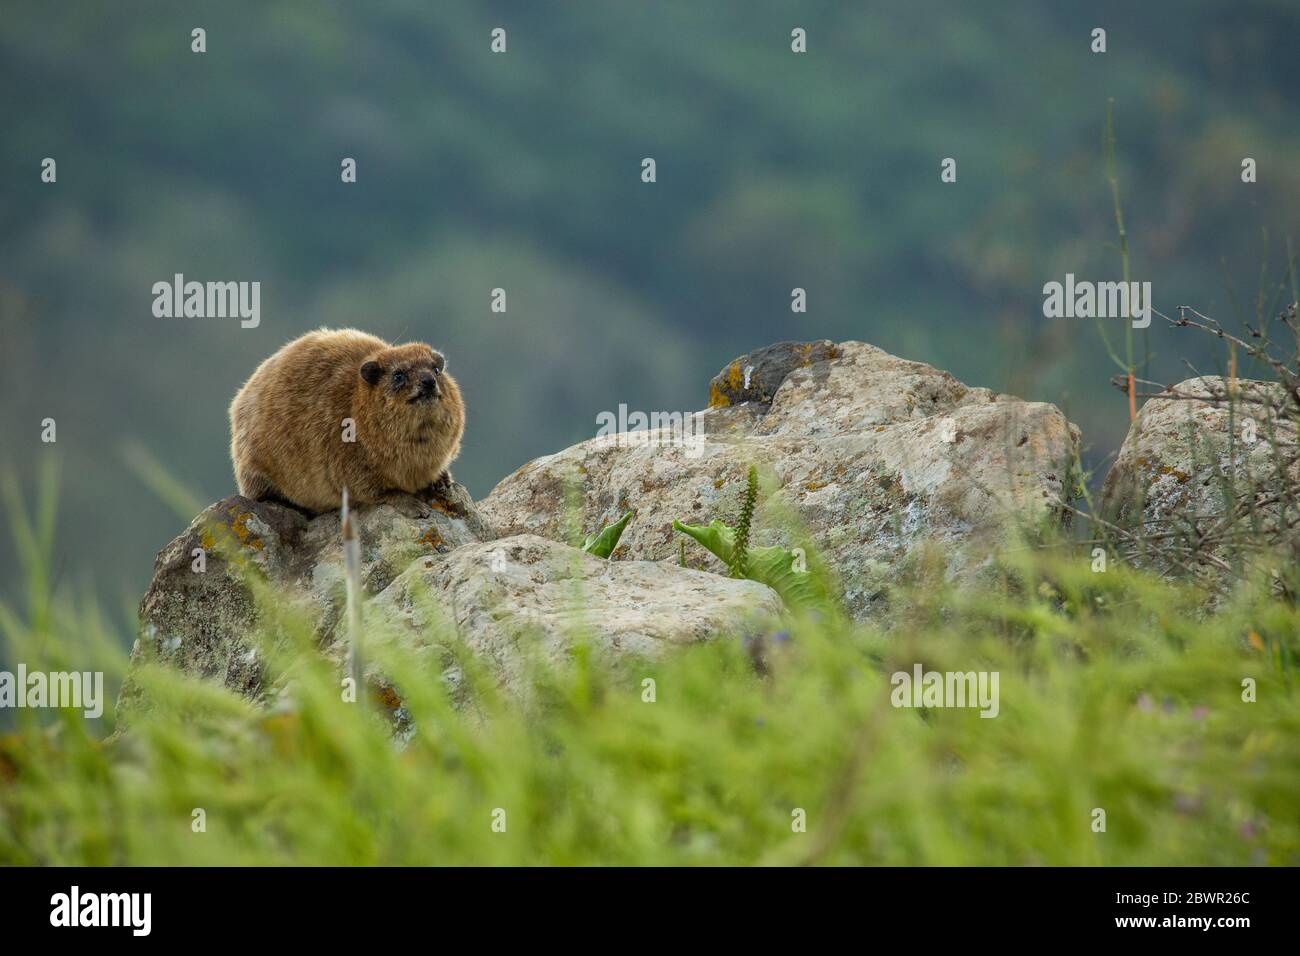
(602, 545)
(715, 536)
(779, 568)
(786, 573)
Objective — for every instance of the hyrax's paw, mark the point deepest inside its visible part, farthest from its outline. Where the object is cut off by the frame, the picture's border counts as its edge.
(440, 488)
(446, 495)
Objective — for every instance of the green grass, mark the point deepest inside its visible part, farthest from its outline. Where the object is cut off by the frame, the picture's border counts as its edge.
(1117, 691)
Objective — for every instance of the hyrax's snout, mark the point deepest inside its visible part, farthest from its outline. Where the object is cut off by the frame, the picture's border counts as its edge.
(429, 386)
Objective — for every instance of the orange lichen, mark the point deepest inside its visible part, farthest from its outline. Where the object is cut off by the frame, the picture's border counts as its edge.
(733, 382)
(735, 377)
(239, 525)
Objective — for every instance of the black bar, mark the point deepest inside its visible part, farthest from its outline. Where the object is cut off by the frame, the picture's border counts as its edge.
(367, 905)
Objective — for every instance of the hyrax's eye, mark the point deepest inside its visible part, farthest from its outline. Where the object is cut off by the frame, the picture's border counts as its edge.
(399, 379)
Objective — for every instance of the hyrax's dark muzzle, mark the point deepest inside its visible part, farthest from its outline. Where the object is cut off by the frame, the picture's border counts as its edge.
(428, 387)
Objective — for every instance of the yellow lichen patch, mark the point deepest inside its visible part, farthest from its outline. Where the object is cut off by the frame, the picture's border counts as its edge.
(815, 485)
(387, 697)
(239, 525)
(717, 398)
(719, 482)
(432, 539)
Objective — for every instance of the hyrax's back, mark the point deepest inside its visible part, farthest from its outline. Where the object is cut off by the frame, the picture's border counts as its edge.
(287, 421)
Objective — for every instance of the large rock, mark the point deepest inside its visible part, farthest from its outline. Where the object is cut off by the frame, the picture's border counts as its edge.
(552, 594)
(506, 600)
(873, 456)
(1197, 475)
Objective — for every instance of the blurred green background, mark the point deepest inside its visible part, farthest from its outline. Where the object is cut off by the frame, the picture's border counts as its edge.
(522, 171)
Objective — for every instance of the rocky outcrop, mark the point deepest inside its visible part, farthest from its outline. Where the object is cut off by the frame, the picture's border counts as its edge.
(867, 456)
(1200, 473)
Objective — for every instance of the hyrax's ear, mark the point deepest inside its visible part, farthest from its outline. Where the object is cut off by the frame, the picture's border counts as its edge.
(371, 373)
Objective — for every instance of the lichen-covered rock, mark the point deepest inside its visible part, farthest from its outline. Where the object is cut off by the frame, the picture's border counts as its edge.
(200, 614)
(1194, 458)
(872, 455)
(755, 376)
(526, 598)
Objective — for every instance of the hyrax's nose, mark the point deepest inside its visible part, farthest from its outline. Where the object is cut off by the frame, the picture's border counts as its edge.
(428, 383)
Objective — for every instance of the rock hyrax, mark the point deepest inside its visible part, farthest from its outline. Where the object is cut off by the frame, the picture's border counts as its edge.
(336, 409)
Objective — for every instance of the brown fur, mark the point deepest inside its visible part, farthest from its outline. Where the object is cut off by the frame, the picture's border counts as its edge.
(287, 422)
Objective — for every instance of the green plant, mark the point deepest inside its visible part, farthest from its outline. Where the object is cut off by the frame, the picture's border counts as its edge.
(785, 570)
(802, 584)
(740, 550)
(603, 543)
